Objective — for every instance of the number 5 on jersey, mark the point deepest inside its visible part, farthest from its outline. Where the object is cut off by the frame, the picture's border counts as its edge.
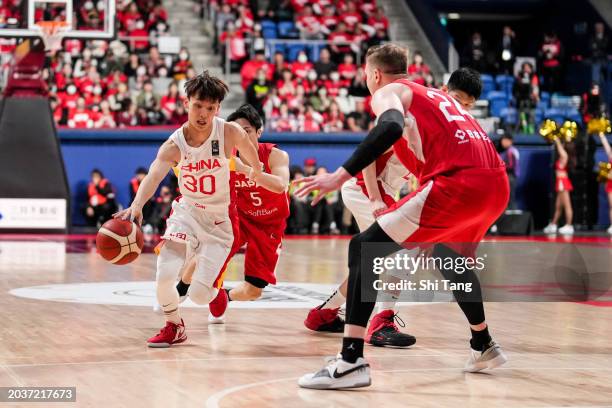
(256, 198)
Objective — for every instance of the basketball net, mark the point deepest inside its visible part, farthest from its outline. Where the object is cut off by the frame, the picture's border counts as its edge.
(52, 33)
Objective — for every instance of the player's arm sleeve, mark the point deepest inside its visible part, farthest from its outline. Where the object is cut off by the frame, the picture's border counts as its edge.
(382, 136)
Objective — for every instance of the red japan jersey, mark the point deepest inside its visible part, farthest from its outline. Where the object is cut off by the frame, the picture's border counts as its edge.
(440, 137)
(256, 203)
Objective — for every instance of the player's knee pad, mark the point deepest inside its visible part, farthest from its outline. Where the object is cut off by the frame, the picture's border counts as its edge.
(201, 294)
(170, 262)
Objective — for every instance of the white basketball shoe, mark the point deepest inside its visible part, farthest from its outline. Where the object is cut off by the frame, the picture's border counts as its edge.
(550, 229)
(338, 374)
(491, 357)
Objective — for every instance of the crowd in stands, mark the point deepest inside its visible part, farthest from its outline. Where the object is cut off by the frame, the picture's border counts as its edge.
(523, 97)
(121, 83)
(301, 85)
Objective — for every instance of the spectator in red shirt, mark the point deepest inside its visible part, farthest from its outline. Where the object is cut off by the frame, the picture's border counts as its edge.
(340, 36)
(69, 99)
(351, 17)
(106, 118)
(334, 84)
(284, 120)
(298, 5)
(179, 70)
(139, 36)
(245, 21)
(333, 119)
(329, 20)
(80, 117)
(309, 120)
(250, 68)
(297, 100)
(308, 24)
(418, 70)
(301, 66)
(170, 100)
(286, 86)
(130, 17)
(378, 20)
(237, 47)
(550, 55)
(347, 69)
(179, 116)
(62, 78)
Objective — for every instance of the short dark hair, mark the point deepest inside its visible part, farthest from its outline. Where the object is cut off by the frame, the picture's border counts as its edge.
(206, 87)
(248, 113)
(141, 170)
(98, 172)
(466, 80)
(389, 58)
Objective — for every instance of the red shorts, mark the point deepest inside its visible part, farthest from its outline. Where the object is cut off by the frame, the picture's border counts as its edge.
(609, 186)
(455, 209)
(263, 247)
(563, 184)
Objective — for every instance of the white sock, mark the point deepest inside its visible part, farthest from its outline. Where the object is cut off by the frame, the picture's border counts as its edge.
(381, 306)
(169, 262)
(334, 301)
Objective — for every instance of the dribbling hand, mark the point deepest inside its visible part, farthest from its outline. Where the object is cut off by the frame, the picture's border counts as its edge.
(130, 213)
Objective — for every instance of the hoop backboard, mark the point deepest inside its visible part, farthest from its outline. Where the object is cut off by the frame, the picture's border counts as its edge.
(86, 19)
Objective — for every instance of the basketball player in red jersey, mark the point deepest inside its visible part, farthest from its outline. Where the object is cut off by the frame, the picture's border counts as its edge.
(263, 208)
(368, 194)
(201, 225)
(463, 190)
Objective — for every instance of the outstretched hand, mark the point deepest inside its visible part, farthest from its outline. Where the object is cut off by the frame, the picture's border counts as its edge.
(324, 183)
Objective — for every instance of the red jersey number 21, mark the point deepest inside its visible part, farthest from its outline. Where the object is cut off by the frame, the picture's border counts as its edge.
(447, 103)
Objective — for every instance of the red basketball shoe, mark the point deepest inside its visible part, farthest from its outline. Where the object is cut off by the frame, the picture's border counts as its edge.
(324, 320)
(382, 331)
(217, 307)
(171, 333)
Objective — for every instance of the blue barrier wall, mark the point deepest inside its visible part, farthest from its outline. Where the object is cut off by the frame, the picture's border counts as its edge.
(119, 153)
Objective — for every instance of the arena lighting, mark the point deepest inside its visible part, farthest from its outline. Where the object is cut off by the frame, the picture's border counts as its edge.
(453, 16)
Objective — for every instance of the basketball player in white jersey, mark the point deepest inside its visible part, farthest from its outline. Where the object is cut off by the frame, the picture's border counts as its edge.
(202, 224)
(366, 196)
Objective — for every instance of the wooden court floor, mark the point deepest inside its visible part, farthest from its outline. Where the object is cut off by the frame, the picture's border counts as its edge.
(70, 319)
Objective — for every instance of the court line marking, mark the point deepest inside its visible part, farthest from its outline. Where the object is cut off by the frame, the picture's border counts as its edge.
(213, 400)
(318, 357)
(14, 376)
(69, 363)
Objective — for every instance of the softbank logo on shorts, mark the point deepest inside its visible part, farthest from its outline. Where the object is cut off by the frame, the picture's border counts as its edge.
(465, 135)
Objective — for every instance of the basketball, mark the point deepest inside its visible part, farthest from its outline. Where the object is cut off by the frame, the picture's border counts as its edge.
(119, 241)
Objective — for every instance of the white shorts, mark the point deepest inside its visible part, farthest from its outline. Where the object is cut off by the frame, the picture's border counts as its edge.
(358, 202)
(209, 238)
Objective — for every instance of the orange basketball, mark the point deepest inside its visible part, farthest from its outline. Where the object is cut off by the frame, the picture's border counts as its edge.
(119, 241)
